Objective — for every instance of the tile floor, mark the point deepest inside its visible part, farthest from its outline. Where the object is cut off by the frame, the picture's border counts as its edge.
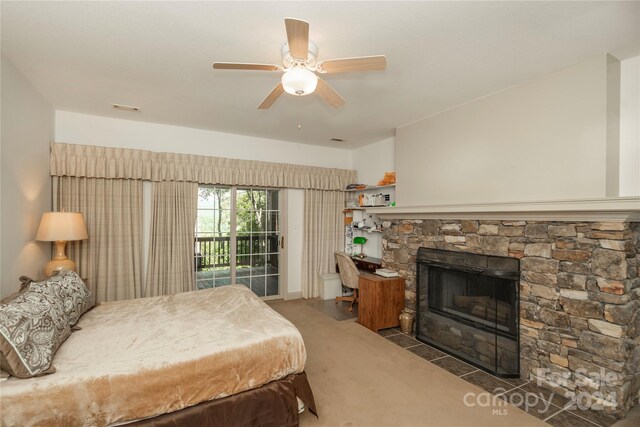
(537, 401)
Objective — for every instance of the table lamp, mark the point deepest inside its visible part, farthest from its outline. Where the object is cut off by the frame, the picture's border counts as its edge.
(61, 227)
(360, 241)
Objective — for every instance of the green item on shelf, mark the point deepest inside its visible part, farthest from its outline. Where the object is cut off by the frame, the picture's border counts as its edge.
(360, 241)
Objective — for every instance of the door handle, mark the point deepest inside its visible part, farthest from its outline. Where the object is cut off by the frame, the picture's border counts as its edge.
(281, 242)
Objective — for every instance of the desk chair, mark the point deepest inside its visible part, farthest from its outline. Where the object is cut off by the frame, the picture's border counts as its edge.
(349, 276)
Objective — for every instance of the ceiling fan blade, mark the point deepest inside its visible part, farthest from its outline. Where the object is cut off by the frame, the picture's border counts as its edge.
(298, 37)
(330, 96)
(241, 66)
(271, 98)
(345, 65)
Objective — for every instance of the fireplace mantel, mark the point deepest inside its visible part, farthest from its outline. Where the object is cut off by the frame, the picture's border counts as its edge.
(610, 209)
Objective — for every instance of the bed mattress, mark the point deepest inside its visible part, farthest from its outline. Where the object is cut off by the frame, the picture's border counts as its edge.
(141, 358)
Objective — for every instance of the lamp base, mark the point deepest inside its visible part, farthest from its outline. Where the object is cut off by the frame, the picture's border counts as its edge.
(60, 262)
(57, 266)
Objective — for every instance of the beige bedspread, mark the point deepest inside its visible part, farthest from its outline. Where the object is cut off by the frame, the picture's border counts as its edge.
(140, 358)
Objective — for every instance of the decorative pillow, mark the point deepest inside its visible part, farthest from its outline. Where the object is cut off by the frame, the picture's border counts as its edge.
(70, 290)
(32, 327)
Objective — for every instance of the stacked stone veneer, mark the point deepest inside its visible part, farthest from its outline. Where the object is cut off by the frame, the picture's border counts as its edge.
(579, 296)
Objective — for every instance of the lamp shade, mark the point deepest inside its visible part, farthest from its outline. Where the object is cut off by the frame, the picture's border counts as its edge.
(299, 81)
(62, 226)
(359, 240)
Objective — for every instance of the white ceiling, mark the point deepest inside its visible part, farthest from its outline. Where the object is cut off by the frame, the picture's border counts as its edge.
(83, 56)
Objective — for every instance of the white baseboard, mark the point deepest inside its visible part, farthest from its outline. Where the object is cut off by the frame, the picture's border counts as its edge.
(293, 295)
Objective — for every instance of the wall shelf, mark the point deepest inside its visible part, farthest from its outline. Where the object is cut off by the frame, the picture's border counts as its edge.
(371, 187)
(373, 245)
(363, 208)
(367, 230)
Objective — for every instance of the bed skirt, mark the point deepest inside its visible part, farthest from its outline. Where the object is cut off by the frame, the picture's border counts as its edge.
(273, 404)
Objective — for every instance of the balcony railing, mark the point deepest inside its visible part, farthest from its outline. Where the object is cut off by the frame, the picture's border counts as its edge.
(215, 251)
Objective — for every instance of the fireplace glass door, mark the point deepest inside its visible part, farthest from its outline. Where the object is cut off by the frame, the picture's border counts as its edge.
(467, 305)
(482, 301)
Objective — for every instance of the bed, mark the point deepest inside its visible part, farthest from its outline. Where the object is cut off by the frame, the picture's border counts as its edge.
(215, 356)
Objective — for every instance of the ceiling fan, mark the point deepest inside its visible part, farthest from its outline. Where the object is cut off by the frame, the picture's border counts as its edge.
(300, 65)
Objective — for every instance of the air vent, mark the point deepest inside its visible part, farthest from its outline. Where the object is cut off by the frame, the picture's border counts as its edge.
(125, 107)
(337, 139)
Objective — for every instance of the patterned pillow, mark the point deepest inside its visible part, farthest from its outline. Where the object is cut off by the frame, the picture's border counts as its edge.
(32, 327)
(70, 290)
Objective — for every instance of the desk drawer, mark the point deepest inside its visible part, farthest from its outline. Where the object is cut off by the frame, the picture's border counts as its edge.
(366, 265)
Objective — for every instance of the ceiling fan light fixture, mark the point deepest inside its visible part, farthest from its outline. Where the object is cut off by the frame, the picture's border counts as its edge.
(299, 63)
(299, 81)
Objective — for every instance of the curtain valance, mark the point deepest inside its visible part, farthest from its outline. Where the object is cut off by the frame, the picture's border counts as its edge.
(108, 162)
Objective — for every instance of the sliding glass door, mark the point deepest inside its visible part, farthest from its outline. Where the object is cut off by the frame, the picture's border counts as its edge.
(238, 239)
(213, 237)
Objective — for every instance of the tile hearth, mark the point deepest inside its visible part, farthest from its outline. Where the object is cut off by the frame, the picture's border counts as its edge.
(543, 404)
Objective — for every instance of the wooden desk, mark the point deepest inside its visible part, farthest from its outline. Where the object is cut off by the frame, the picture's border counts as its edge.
(369, 264)
(380, 301)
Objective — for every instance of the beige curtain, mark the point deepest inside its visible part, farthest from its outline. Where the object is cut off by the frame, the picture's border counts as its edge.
(109, 162)
(170, 267)
(111, 259)
(323, 237)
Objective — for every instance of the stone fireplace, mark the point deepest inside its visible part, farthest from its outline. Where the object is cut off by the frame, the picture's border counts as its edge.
(467, 305)
(579, 295)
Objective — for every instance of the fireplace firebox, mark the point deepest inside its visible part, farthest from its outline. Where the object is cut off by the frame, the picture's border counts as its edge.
(467, 305)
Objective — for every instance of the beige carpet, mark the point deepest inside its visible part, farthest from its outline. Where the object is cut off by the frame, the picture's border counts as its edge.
(361, 379)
